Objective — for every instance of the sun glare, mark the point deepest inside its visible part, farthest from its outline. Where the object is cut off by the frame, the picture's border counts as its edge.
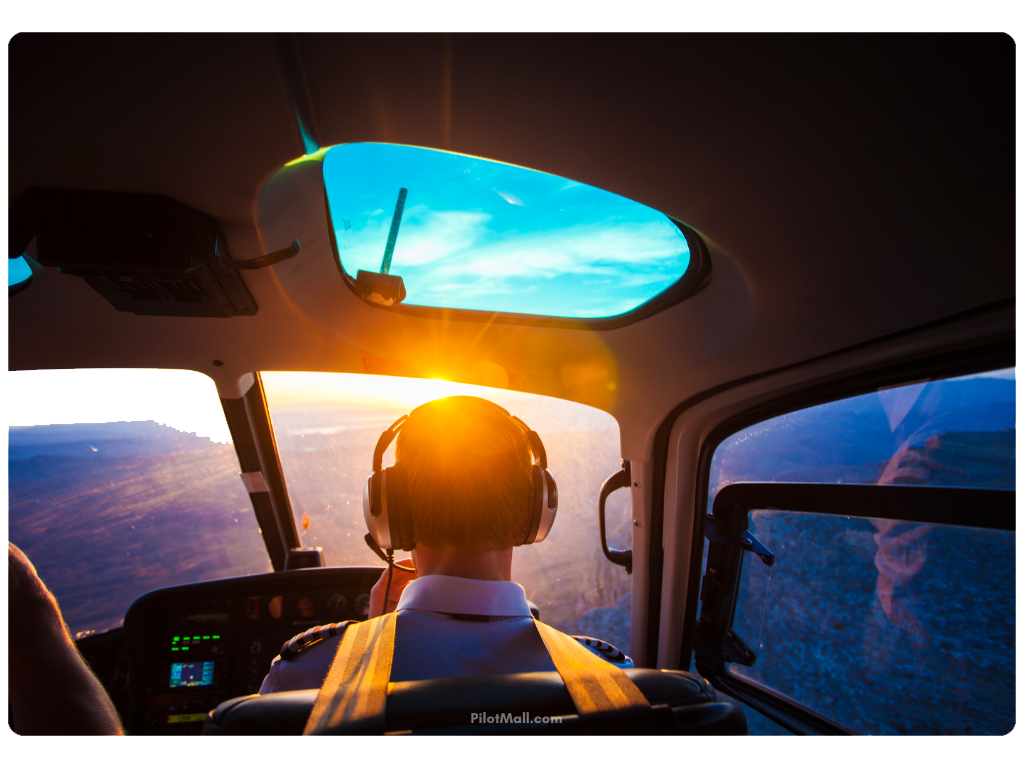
(286, 388)
(188, 401)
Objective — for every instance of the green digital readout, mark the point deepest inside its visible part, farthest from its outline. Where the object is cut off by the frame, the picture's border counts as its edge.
(192, 717)
(183, 643)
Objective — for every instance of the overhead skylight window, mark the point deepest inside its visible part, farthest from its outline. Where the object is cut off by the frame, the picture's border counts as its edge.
(19, 274)
(468, 233)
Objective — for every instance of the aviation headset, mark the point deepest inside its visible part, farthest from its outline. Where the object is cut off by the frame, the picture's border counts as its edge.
(388, 514)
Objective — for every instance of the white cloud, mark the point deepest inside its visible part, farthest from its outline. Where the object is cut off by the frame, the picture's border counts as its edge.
(439, 235)
(509, 198)
(425, 236)
(455, 252)
(623, 251)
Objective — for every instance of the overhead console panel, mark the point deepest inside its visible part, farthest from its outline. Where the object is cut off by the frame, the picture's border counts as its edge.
(146, 254)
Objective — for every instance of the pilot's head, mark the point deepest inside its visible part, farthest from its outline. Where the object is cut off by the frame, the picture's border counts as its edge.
(469, 472)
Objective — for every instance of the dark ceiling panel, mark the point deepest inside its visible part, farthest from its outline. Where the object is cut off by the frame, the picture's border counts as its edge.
(202, 118)
(840, 171)
(377, 87)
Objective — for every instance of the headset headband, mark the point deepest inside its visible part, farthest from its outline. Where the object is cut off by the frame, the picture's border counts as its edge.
(536, 445)
(386, 509)
(388, 436)
(384, 441)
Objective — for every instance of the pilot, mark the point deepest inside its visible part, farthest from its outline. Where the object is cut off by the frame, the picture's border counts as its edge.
(469, 471)
(52, 690)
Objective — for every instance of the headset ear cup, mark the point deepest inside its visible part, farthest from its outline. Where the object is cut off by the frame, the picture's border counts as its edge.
(552, 491)
(380, 524)
(536, 504)
(392, 506)
(367, 517)
(399, 508)
(548, 506)
(375, 512)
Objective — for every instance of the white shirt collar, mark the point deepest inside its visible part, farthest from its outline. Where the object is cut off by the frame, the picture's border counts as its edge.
(451, 594)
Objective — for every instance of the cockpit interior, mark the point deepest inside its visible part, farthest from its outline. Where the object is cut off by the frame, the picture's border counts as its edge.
(755, 292)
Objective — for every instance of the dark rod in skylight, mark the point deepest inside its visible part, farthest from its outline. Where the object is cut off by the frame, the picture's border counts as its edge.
(396, 221)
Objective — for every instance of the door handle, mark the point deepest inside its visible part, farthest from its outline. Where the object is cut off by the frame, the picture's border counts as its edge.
(620, 479)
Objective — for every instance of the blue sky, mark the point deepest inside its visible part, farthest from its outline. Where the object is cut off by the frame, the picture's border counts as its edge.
(478, 234)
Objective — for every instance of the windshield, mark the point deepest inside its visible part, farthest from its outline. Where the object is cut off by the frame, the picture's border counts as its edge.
(121, 482)
(468, 233)
(326, 426)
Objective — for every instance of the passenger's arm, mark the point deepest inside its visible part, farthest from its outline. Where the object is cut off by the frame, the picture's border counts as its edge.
(52, 690)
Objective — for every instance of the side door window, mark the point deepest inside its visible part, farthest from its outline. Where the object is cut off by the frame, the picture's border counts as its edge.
(860, 569)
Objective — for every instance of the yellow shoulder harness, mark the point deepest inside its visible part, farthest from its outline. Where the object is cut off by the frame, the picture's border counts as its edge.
(354, 694)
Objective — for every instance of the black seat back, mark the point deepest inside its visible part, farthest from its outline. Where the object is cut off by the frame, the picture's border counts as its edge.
(682, 703)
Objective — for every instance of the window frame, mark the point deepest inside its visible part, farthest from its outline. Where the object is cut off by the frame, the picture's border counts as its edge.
(993, 351)
(252, 435)
(720, 587)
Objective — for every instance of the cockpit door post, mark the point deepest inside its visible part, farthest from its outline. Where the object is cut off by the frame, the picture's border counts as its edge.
(253, 436)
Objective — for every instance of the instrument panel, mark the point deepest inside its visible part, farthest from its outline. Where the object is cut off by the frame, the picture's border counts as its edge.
(193, 646)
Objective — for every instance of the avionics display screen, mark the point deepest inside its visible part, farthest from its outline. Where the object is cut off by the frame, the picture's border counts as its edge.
(193, 674)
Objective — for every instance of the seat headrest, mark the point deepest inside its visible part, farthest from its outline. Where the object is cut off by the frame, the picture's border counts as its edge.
(683, 703)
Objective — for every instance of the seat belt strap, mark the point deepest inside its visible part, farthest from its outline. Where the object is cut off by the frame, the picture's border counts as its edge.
(594, 684)
(354, 693)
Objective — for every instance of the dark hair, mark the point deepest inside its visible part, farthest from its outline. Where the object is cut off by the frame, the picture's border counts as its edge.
(468, 468)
